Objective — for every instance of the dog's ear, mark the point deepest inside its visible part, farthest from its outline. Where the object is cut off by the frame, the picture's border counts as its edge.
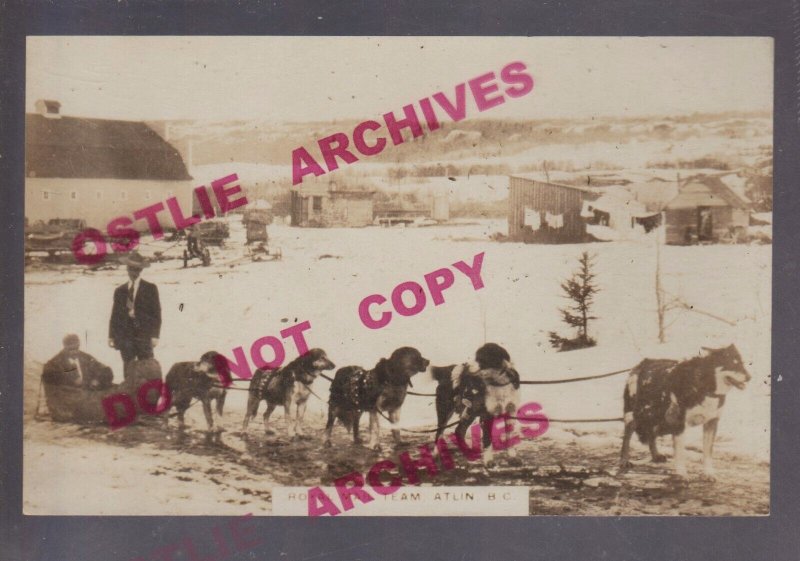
(382, 365)
(304, 361)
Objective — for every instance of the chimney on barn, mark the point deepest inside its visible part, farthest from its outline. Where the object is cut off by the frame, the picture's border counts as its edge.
(49, 108)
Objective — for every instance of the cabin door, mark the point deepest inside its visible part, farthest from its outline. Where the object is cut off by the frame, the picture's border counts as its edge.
(705, 227)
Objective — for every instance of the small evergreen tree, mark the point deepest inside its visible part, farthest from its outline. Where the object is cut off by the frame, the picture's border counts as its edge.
(580, 288)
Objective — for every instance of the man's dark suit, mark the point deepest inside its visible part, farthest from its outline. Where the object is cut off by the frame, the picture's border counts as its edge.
(83, 370)
(132, 335)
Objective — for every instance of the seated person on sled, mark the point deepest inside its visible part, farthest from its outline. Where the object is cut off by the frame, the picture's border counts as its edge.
(73, 367)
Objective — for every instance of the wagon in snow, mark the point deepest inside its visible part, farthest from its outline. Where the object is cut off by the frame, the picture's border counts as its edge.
(256, 221)
(53, 237)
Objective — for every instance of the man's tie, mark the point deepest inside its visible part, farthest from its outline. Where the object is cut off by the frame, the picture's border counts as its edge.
(130, 301)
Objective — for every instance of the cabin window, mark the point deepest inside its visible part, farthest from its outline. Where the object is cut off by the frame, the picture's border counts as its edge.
(73, 195)
(45, 195)
(317, 204)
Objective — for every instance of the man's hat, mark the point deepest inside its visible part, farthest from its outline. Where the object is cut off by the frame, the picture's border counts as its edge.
(134, 259)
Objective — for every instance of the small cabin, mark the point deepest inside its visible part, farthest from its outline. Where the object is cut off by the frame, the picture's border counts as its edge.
(705, 210)
(328, 207)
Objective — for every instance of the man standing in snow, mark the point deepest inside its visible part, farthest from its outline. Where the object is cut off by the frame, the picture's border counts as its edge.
(136, 316)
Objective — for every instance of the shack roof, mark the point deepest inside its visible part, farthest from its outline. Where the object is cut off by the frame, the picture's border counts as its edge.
(707, 190)
(538, 179)
(76, 147)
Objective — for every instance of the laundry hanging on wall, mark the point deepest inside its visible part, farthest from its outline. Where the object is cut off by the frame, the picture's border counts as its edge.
(555, 220)
(533, 218)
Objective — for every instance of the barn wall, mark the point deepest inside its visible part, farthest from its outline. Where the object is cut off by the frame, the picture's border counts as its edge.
(99, 201)
(545, 197)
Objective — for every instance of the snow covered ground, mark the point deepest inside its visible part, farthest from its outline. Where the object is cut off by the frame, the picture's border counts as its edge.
(322, 277)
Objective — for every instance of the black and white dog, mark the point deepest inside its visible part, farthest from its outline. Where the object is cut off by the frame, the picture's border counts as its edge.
(483, 390)
(666, 396)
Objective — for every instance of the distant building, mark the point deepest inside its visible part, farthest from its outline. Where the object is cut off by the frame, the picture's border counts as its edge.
(325, 206)
(97, 169)
(542, 212)
(705, 210)
(617, 215)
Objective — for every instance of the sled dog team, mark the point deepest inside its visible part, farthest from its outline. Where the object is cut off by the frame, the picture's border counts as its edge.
(661, 397)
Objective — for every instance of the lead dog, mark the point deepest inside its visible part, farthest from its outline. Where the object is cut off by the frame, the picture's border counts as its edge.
(377, 391)
(195, 380)
(666, 396)
(287, 386)
(483, 390)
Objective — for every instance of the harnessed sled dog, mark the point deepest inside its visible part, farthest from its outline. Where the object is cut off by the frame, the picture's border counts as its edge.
(483, 390)
(196, 380)
(380, 390)
(287, 386)
(666, 396)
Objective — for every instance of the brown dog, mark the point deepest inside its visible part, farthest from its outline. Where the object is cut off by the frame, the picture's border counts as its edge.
(196, 380)
(377, 391)
(287, 386)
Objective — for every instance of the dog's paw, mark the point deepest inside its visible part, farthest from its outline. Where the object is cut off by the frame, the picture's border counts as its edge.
(708, 475)
(624, 466)
(659, 459)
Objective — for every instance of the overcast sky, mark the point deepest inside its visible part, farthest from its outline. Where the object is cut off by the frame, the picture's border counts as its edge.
(324, 78)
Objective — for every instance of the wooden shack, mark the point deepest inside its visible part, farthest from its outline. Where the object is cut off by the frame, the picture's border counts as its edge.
(328, 207)
(705, 210)
(543, 212)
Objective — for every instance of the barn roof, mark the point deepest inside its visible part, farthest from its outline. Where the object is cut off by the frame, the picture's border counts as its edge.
(73, 147)
(706, 191)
